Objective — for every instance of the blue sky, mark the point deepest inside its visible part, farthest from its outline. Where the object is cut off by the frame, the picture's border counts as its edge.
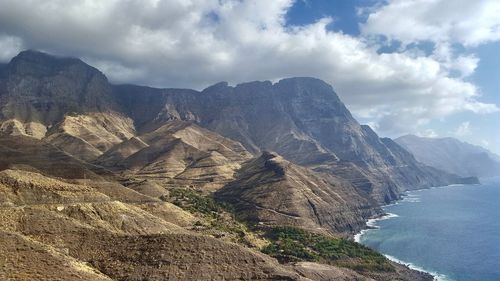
(344, 13)
(426, 67)
(481, 129)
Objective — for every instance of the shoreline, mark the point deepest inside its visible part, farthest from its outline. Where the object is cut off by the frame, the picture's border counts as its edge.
(371, 225)
(435, 275)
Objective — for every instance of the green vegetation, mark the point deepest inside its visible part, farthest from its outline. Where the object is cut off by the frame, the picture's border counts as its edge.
(216, 219)
(288, 244)
(293, 244)
(195, 202)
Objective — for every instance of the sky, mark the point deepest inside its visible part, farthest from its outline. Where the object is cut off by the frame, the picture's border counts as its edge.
(426, 67)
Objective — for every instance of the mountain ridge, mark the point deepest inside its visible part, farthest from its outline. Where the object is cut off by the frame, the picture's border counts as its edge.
(114, 175)
(452, 155)
(301, 119)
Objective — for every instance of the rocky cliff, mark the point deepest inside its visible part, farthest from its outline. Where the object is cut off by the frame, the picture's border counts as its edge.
(302, 119)
(271, 191)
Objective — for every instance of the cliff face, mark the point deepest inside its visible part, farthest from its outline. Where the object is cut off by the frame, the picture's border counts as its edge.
(63, 100)
(72, 106)
(272, 191)
(301, 119)
(452, 155)
(40, 88)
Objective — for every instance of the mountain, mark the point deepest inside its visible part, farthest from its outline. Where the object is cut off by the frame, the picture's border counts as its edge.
(28, 153)
(72, 106)
(272, 191)
(452, 155)
(178, 153)
(59, 230)
(62, 100)
(108, 178)
(301, 119)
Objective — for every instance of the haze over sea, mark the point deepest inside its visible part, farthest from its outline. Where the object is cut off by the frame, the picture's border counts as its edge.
(452, 232)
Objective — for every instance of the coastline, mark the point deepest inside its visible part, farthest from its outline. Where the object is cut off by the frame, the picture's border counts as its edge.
(371, 225)
(435, 275)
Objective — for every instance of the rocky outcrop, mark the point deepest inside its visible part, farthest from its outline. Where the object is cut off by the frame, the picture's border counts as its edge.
(272, 191)
(452, 155)
(87, 136)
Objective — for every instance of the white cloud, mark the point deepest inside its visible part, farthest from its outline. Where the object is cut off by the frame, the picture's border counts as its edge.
(463, 129)
(428, 133)
(466, 22)
(194, 43)
(485, 143)
(465, 65)
(9, 46)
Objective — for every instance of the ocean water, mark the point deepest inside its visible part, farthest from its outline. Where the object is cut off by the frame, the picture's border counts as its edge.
(452, 232)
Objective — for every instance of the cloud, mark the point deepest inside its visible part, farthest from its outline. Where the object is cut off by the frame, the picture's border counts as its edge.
(195, 43)
(428, 133)
(485, 143)
(463, 129)
(9, 46)
(465, 22)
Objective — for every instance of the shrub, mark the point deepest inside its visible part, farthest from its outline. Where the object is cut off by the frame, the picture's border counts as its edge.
(293, 244)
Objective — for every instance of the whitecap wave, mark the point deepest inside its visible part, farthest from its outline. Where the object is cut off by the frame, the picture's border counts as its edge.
(437, 276)
(372, 224)
(411, 199)
(357, 237)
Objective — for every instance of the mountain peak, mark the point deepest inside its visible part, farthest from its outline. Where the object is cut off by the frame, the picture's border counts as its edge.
(306, 82)
(267, 155)
(37, 63)
(217, 87)
(303, 79)
(308, 87)
(35, 56)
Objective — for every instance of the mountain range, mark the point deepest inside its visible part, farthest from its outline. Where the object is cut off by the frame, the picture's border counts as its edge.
(116, 180)
(452, 155)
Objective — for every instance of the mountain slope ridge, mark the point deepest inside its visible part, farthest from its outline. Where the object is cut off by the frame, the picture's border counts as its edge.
(302, 119)
(452, 155)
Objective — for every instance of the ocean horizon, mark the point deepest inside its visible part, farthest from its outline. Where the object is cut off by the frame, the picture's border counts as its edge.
(451, 232)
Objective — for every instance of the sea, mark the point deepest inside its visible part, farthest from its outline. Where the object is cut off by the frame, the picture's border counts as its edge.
(452, 232)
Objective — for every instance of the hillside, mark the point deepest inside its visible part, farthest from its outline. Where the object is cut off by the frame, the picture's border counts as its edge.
(272, 191)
